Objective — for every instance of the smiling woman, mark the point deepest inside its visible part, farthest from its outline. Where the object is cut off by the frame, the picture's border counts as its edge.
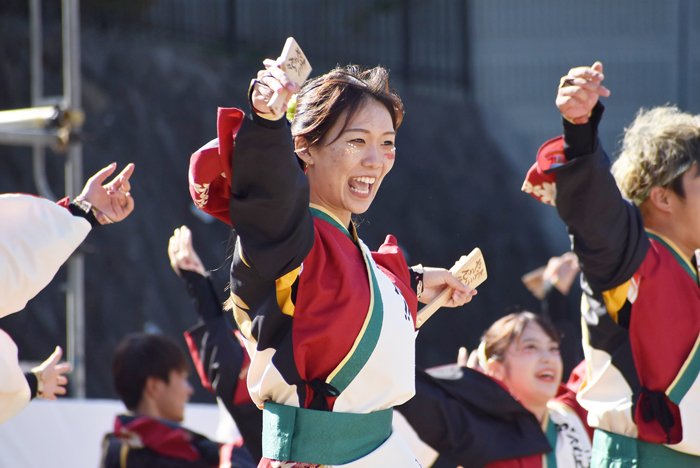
(346, 173)
(504, 406)
(521, 351)
(329, 325)
(347, 144)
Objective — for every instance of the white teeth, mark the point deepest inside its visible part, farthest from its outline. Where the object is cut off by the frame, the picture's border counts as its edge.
(366, 180)
(359, 191)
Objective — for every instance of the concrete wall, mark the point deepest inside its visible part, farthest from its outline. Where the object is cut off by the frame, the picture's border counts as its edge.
(520, 49)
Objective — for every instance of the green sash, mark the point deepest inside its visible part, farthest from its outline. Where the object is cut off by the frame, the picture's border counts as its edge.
(321, 437)
(613, 450)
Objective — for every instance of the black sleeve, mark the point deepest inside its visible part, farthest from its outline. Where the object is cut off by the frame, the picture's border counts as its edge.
(204, 298)
(221, 357)
(33, 383)
(472, 421)
(416, 275)
(215, 350)
(580, 140)
(564, 312)
(555, 305)
(269, 205)
(607, 231)
(75, 210)
(218, 355)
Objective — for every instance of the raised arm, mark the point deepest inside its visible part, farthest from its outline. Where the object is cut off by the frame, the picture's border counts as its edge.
(37, 236)
(219, 357)
(573, 173)
(269, 205)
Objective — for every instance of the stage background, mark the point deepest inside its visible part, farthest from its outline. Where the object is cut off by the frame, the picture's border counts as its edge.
(478, 79)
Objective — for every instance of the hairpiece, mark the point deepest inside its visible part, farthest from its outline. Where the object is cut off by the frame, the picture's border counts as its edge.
(684, 166)
(292, 108)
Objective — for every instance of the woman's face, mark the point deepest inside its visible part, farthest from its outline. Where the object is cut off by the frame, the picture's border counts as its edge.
(531, 367)
(345, 175)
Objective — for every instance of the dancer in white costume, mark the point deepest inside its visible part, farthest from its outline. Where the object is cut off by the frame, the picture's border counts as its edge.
(36, 238)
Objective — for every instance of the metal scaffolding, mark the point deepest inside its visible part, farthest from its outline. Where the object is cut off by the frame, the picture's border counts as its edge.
(54, 122)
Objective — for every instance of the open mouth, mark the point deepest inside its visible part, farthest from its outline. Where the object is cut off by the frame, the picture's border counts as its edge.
(546, 375)
(362, 185)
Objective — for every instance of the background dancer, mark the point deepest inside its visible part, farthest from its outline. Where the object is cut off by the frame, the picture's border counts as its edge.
(150, 376)
(36, 238)
(517, 415)
(214, 343)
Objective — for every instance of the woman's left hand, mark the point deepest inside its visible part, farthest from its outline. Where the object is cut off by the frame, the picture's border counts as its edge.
(50, 374)
(435, 280)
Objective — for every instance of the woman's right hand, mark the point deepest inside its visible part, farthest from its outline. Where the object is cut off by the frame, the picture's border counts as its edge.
(271, 80)
(470, 360)
(436, 280)
(579, 91)
(112, 199)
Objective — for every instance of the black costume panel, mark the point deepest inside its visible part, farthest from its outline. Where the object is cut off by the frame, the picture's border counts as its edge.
(468, 416)
(219, 357)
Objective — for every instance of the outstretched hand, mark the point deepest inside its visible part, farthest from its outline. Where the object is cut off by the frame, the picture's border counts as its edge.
(182, 254)
(113, 199)
(562, 271)
(50, 375)
(579, 91)
(435, 280)
(471, 360)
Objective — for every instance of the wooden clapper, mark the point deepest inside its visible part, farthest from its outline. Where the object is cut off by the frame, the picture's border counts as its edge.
(470, 269)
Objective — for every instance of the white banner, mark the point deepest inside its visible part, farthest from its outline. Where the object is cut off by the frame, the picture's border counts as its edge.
(68, 433)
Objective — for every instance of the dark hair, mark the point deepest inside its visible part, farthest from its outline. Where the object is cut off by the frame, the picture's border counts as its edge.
(322, 101)
(142, 355)
(677, 186)
(508, 329)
